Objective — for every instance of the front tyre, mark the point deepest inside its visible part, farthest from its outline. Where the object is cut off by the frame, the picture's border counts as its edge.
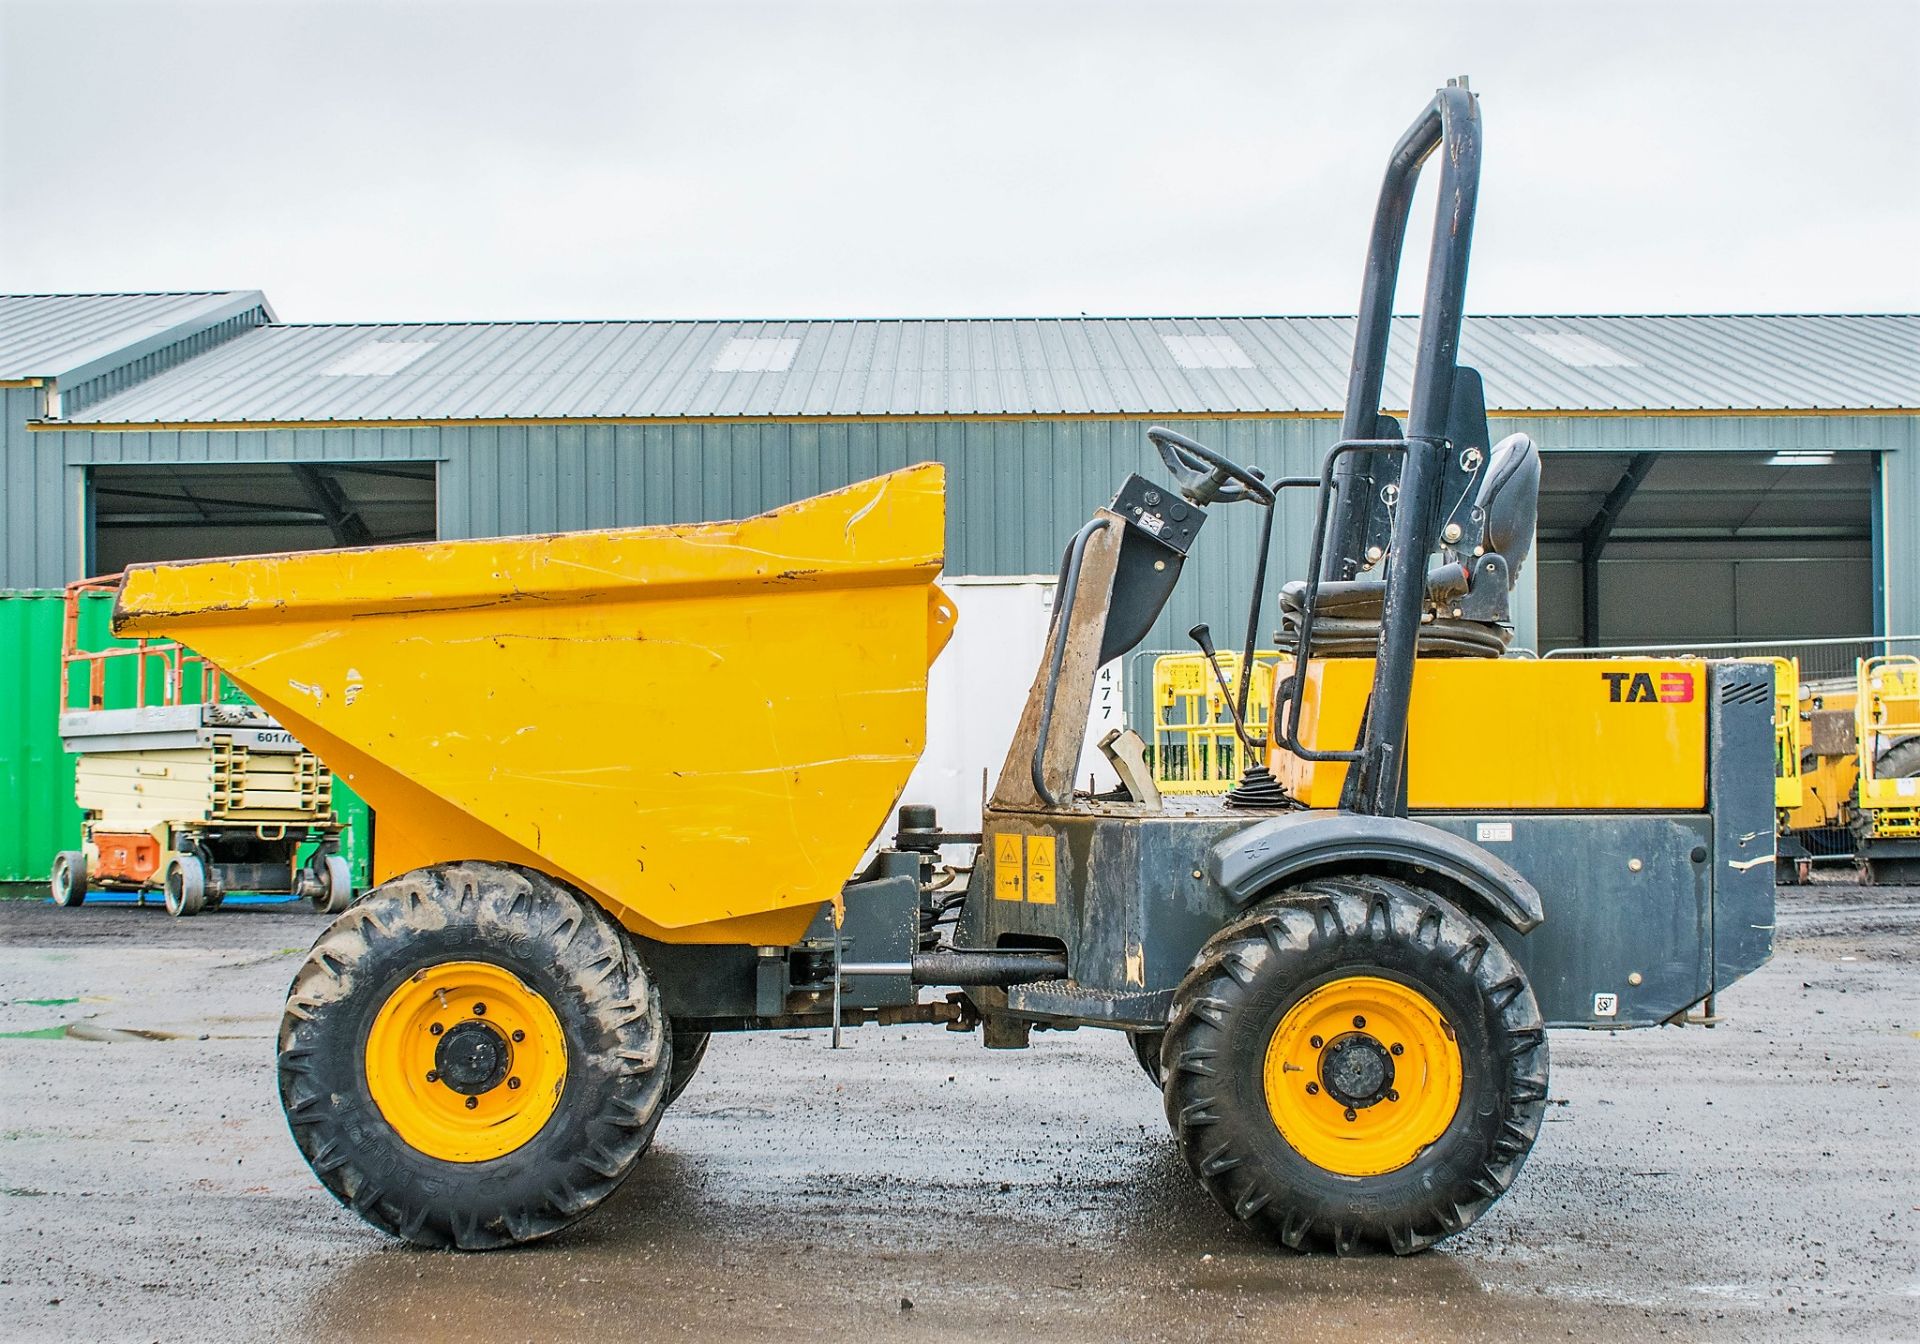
(473, 1056)
(1356, 1063)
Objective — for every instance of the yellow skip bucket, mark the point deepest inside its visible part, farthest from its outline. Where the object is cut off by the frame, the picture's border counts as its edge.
(701, 726)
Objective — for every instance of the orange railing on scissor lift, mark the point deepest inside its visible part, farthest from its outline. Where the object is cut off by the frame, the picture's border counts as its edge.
(172, 660)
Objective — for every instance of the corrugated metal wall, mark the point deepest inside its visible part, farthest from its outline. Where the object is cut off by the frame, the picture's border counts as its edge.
(40, 505)
(1018, 488)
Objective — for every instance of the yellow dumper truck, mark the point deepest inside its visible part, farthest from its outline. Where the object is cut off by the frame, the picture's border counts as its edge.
(623, 778)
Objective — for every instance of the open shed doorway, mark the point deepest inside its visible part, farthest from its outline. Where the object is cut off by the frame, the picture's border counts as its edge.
(162, 512)
(1705, 548)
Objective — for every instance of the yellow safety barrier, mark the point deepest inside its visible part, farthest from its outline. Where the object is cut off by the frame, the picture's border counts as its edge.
(1788, 792)
(1195, 748)
(1887, 710)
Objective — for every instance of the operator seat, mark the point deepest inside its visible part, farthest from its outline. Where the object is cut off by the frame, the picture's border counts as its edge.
(1466, 610)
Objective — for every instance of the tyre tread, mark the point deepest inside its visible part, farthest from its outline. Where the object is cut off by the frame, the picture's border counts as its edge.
(1321, 917)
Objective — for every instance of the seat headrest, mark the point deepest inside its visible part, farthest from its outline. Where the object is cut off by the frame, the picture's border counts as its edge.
(1510, 499)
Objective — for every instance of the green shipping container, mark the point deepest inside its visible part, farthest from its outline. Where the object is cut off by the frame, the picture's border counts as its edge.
(38, 817)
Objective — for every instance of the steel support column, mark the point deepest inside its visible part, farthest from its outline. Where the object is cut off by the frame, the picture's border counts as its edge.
(1593, 542)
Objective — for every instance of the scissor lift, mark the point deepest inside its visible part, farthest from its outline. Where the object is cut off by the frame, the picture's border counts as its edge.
(188, 790)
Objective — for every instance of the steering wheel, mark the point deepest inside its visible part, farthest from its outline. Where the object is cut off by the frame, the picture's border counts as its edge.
(1204, 476)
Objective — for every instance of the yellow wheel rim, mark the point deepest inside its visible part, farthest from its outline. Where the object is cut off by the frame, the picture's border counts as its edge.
(465, 1061)
(1362, 1075)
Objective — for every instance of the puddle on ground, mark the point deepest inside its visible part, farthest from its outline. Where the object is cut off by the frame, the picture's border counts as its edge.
(87, 1031)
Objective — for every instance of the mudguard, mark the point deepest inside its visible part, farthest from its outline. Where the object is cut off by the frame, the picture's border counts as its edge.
(1247, 864)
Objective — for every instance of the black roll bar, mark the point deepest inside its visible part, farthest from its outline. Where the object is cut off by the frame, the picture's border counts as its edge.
(1376, 784)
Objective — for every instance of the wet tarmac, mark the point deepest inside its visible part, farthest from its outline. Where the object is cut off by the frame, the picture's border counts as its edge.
(1757, 1181)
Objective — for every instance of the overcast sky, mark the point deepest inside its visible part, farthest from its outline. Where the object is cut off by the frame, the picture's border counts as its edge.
(409, 161)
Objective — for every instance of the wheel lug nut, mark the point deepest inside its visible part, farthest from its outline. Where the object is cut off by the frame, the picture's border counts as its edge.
(472, 1102)
(432, 1077)
(1392, 1095)
(1316, 1042)
(1359, 1021)
(1351, 1113)
(1313, 1089)
(479, 1010)
(436, 1028)
(519, 1035)
(1399, 1049)
(513, 1084)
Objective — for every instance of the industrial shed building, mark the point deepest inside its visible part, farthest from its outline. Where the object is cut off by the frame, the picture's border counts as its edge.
(1706, 478)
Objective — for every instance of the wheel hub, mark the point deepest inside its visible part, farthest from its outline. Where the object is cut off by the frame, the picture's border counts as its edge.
(1357, 1071)
(465, 1060)
(473, 1058)
(1362, 1074)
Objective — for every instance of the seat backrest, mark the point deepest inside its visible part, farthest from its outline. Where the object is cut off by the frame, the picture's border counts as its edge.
(1510, 499)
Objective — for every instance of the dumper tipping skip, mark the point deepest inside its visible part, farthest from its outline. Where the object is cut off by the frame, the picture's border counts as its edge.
(700, 726)
(1340, 979)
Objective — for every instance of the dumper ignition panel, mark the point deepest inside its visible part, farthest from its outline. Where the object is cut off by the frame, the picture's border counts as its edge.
(622, 777)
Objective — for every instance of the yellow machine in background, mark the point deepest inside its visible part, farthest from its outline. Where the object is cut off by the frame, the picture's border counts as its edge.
(1887, 724)
(1196, 748)
(1857, 785)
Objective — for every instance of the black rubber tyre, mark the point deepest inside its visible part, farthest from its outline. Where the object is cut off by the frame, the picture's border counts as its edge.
(69, 881)
(1899, 761)
(184, 885)
(1242, 985)
(689, 1048)
(1146, 1048)
(563, 948)
(335, 892)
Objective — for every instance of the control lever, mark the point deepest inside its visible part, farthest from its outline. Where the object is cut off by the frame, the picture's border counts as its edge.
(1203, 636)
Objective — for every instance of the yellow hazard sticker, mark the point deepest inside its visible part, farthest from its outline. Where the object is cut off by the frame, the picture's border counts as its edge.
(1007, 877)
(1040, 869)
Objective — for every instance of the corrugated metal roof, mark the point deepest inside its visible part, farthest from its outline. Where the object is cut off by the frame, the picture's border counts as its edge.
(1011, 366)
(59, 335)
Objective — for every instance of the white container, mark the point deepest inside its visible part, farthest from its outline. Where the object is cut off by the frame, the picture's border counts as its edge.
(978, 687)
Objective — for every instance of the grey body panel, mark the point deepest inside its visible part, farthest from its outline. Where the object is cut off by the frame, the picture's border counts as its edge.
(1740, 791)
(1133, 914)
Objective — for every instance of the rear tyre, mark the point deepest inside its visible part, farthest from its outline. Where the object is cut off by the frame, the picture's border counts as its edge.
(473, 1056)
(185, 885)
(689, 1048)
(1356, 1063)
(1146, 1049)
(69, 880)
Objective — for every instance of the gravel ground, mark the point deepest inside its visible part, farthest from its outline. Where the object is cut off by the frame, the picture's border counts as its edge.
(1757, 1181)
